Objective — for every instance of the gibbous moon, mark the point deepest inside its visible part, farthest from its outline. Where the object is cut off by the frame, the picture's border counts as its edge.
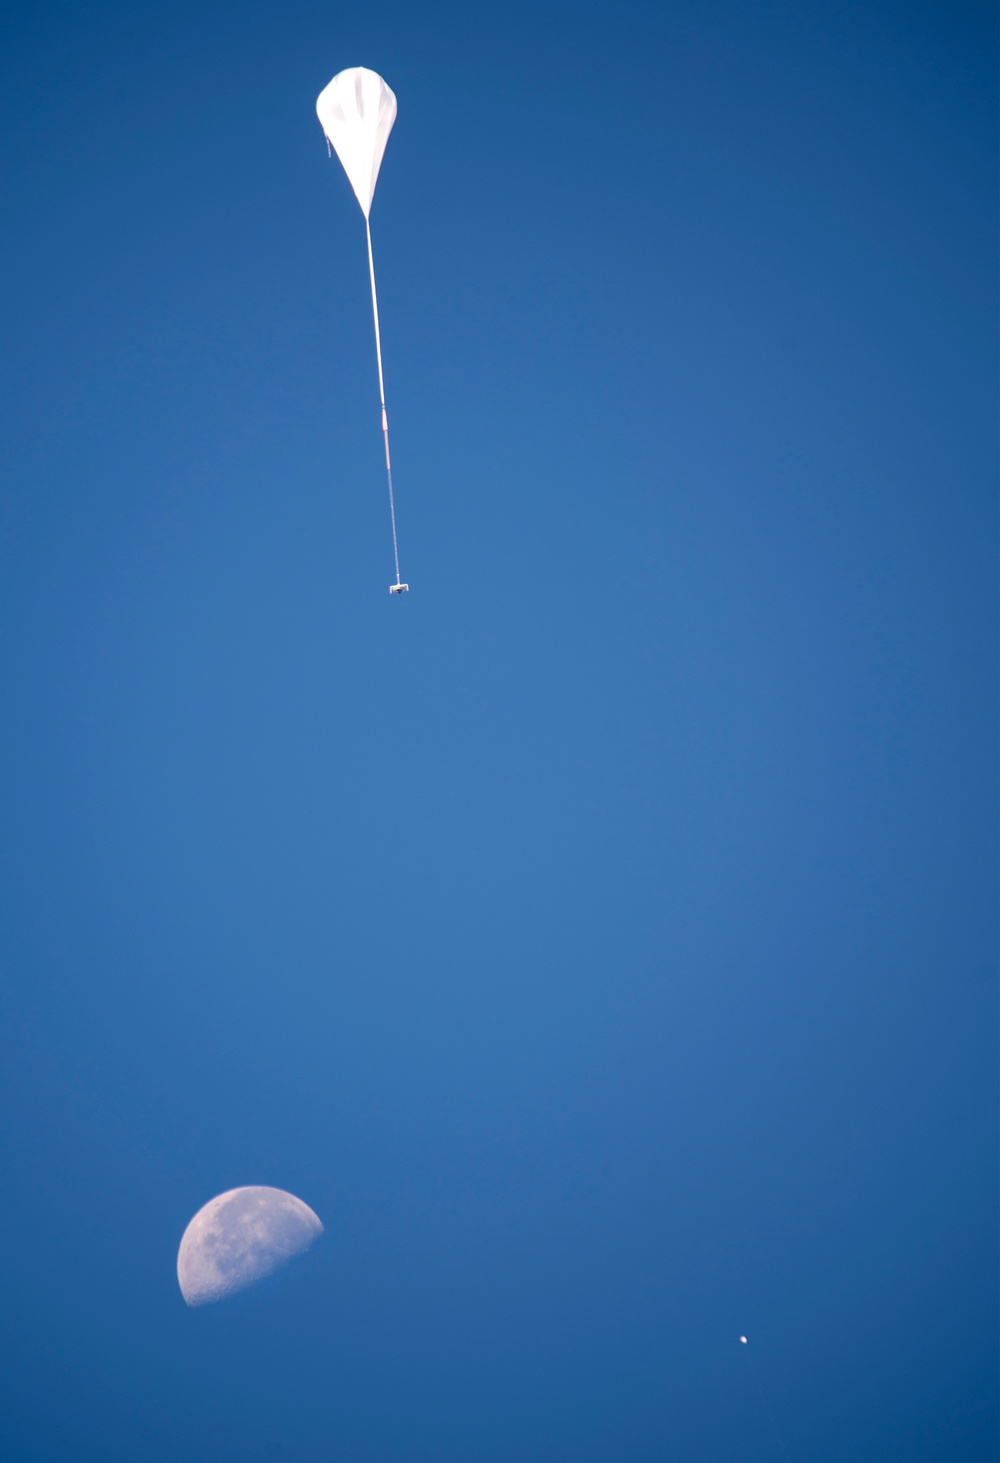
(240, 1237)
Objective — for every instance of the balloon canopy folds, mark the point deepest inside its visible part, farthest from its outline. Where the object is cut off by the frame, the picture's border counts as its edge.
(357, 111)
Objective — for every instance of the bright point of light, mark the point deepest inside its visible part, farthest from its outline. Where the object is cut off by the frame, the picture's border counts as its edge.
(744, 1340)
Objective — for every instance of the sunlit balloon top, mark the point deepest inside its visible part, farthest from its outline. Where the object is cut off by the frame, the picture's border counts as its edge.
(357, 111)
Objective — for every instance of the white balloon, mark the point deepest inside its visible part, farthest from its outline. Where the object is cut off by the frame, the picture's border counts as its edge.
(357, 110)
(239, 1237)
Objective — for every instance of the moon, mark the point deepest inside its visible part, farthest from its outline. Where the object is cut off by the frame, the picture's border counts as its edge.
(239, 1237)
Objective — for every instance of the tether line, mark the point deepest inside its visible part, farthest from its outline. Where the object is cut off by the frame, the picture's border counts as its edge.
(381, 392)
(767, 1406)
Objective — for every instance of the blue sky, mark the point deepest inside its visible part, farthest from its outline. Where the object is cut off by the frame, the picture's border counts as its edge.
(600, 938)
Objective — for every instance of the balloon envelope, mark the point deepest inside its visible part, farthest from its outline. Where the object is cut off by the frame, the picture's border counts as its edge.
(357, 111)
